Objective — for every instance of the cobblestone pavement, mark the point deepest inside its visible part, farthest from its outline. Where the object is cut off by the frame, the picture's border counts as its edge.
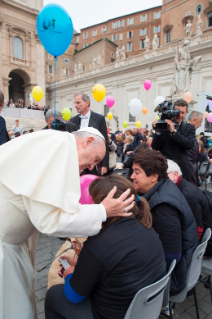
(48, 247)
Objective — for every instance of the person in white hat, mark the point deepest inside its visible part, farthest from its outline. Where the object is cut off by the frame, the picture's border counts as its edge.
(40, 191)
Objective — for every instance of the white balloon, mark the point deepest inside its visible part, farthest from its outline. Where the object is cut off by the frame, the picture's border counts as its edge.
(135, 107)
(158, 100)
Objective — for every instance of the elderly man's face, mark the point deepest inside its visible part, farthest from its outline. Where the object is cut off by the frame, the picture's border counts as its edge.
(173, 176)
(49, 122)
(90, 154)
(82, 107)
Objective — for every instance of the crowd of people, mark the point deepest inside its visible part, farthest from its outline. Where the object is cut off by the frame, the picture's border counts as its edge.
(21, 105)
(157, 209)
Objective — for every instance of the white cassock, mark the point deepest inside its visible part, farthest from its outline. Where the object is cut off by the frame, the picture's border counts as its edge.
(39, 190)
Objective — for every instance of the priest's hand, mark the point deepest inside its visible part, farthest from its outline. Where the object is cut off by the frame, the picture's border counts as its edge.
(120, 206)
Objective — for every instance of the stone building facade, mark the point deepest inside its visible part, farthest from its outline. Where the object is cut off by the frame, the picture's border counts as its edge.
(22, 56)
(129, 30)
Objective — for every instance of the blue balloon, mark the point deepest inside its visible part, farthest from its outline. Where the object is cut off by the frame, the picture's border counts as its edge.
(55, 29)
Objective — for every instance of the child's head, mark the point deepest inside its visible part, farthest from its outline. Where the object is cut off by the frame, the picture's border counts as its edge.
(129, 139)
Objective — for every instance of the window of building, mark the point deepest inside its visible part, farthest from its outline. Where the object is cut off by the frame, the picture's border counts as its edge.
(143, 18)
(104, 29)
(142, 44)
(114, 37)
(158, 41)
(129, 47)
(130, 34)
(168, 36)
(120, 36)
(50, 57)
(112, 55)
(18, 48)
(199, 9)
(84, 45)
(132, 118)
(83, 69)
(50, 68)
(156, 29)
(210, 19)
(85, 35)
(94, 33)
(114, 25)
(77, 39)
(157, 15)
(130, 21)
(121, 23)
(66, 61)
(143, 32)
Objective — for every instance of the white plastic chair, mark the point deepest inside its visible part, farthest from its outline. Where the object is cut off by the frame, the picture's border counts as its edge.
(147, 302)
(207, 269)
(193, 274)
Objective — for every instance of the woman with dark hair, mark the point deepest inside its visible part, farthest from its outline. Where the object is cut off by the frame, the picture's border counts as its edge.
(172, 217)
(113, 265)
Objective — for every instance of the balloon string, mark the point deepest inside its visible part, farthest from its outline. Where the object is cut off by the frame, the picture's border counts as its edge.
(146, 107)
(55, 60)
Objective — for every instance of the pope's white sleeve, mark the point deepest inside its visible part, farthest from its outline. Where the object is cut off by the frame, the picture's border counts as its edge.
(87, 222)
(50, 220)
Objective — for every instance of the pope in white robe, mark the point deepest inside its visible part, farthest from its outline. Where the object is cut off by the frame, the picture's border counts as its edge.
(40, 191)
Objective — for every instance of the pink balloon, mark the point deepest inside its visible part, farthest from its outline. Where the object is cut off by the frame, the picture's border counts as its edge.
(147, 84)
(85, 181)
(209, 117)
(110, 101)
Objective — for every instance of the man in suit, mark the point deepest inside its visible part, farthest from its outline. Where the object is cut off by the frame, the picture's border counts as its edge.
(195, 118)
(4, 135)
(87, 118)
(177, 139)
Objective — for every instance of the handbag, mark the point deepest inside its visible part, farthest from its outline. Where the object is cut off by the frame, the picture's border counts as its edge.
(125, 172)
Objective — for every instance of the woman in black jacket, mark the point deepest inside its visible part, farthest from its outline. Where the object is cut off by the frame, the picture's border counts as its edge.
(172, 217)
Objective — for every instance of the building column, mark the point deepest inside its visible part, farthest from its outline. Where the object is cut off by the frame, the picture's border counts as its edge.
(6, 85)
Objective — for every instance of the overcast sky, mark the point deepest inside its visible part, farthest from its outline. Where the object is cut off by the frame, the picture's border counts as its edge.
(88, 12)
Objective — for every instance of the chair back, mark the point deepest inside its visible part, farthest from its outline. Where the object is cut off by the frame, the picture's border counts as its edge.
(147, 303)
(196, 261)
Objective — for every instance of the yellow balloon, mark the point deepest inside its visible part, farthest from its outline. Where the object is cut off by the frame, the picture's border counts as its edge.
(125, 124)
(138, 124)
(109, 116)
(37, 93)
(157, 118)
(99, 92)
(66, 113)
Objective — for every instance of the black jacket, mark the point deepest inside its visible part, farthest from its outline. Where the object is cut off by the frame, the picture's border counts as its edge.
(199, 205)
(71, 127)
(96, 121)
(193, 163)
(3, 131)
(119, 150)
(174, 147)
(167, 192)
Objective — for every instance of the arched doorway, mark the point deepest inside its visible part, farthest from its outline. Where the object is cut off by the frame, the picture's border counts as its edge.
(16, 90)
(18, 84)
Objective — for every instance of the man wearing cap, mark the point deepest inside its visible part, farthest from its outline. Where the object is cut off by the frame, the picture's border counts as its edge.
(40, 191)
(88, 118)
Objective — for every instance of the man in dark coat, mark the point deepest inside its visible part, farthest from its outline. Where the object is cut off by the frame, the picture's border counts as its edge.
(195, 118)
(197, 201)
(178, 138)
(3, 130)
(88, 118)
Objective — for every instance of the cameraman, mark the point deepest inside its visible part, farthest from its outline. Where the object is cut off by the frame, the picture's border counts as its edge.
(177, 139)
(49, 117)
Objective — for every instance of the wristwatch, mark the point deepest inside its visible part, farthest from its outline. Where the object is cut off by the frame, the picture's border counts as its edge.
(173, 133)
